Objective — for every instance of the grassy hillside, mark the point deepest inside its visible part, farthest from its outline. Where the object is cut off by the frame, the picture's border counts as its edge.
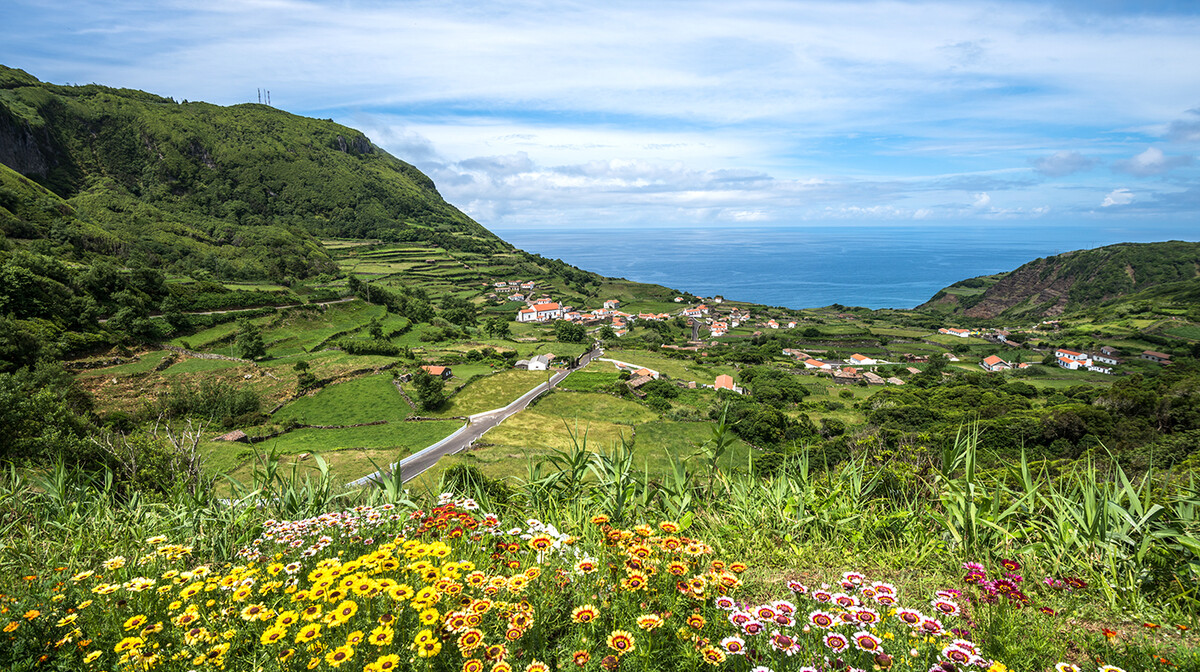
(1166, 273)
(239, 192)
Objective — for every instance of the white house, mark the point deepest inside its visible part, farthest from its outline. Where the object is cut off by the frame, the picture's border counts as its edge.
(952, 331)
(612, 304)
(811, 363)
(861, 360)
(1068, 363)
(994, 363)
(1063, 353)
(772, 324)
(540, 312)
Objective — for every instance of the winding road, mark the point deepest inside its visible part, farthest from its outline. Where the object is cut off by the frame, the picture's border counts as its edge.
(477, 425)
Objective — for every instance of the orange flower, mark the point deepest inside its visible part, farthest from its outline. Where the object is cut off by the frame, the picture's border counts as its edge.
(581, 658)
(696, 621)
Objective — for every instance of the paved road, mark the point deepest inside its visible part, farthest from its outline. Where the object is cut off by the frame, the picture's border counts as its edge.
(477, 425)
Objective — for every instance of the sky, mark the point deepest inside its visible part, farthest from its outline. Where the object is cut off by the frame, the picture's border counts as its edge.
(698, 114)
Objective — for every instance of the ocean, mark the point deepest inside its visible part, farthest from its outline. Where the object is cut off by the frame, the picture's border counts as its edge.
(811, 266)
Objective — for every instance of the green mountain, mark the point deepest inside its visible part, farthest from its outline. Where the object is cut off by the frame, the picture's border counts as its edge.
(1165, 273)
(242, 192)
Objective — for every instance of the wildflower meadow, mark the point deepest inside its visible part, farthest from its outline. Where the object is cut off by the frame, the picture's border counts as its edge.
(381, 588)
(589, 566)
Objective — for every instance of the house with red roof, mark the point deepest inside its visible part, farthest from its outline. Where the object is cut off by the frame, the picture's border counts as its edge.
(1063, 353)
(540, 312)
(1068, 363)
(995, 363)
(811, 363)
(725, 382)
(861, 360)
(442, 372)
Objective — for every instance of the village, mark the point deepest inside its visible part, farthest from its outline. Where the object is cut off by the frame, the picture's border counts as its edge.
(1020, 349)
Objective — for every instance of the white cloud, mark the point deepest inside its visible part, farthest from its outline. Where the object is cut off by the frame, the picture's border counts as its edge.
(1062, 163)
(538, 112)
(747, 215)
(1151, 162)
(1117, 197)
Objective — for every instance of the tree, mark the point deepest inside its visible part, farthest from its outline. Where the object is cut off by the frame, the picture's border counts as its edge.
(497, 327)
(132, 317)
(607, 333)
(249, 340)
(569, 332)
(305, 381)
(173, 314)
(430, 390)
(375, 329)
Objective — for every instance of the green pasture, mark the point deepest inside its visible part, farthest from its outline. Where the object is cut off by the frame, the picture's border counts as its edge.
(490, 393)
(349, 452)
(592, 407)
(1190, 332)
(679, 369)
(590, 378)
(506, 451)
(365, 399)
(901, 332)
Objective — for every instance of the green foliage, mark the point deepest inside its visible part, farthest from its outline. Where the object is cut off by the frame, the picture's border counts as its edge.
(498, 327)
(1160, 272)
(44, 415)
(212, 399)
(569, 332)
(459, 311)
(773, 386)
(430, 391)
(249, 341)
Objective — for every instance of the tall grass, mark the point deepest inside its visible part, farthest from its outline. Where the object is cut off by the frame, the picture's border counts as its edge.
(1135, 540)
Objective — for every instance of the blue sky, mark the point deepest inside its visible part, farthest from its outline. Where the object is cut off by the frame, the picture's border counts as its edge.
(603, 114)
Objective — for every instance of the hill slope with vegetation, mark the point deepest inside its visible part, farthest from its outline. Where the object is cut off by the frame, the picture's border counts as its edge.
(1163, 272)
(239, 191)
